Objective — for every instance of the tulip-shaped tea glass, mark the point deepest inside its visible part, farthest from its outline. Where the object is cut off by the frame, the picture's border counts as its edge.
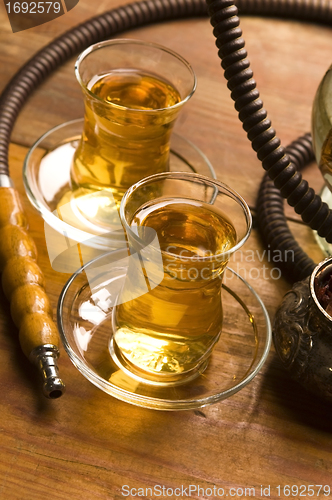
(182, 229)
(133, 92)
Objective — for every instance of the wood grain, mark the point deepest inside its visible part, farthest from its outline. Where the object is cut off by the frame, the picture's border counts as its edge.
(87, 444)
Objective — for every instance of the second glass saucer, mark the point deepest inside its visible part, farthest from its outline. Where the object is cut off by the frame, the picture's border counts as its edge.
(46, 176)
(85, 323)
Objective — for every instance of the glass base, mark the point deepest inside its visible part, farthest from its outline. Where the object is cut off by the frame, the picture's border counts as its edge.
(85, 324)
(326, 196)
(46, 176)
(162, 380)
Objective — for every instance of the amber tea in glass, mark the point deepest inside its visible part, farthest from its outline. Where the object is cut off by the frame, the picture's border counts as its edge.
(187, 234)
(133, 92)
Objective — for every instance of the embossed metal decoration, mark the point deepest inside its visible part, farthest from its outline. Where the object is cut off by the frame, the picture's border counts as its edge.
(302, 334)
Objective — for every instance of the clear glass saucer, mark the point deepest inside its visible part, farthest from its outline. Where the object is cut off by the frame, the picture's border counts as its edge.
(84, 321)
(46, 177)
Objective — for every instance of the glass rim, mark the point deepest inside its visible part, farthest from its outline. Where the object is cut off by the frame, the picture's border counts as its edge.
(190, 176)
(124, 41)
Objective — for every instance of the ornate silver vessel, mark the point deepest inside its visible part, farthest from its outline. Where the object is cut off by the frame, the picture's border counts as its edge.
(302, 334)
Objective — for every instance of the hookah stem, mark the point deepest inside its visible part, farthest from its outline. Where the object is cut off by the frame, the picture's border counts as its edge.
(23, 284)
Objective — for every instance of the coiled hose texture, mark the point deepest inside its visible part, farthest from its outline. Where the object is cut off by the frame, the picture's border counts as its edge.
(279, 163)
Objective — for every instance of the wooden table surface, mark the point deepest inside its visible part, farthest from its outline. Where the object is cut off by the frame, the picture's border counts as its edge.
(87, 445)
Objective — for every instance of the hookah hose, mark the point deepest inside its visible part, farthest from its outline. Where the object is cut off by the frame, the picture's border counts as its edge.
(282, 165)
(22, 279)
(271, 218)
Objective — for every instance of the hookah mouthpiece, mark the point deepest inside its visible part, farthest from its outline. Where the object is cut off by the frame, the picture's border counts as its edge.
(23, 285)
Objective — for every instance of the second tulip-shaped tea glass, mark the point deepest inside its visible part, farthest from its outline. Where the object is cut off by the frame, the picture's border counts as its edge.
(182, 229)
(133, 92)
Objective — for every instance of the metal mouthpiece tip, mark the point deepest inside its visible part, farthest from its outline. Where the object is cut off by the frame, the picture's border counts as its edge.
(54, 388)
(45, 358)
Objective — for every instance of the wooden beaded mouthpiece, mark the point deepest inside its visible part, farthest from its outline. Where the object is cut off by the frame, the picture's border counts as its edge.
(23, 284)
